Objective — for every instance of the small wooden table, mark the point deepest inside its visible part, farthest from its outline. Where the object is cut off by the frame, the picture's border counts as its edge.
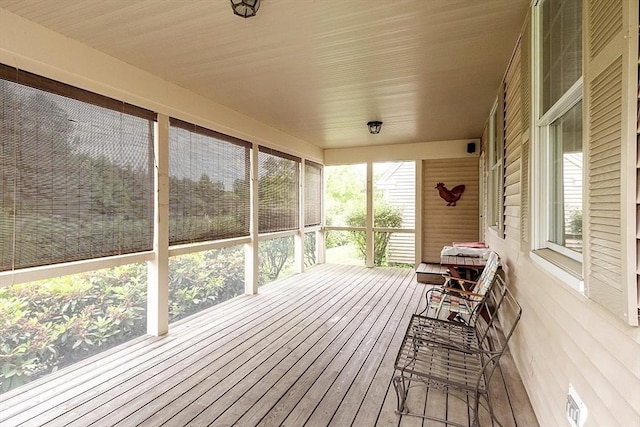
(467, 265)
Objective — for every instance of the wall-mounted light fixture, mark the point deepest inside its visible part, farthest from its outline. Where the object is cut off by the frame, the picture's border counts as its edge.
(374, 127)
(245, 8)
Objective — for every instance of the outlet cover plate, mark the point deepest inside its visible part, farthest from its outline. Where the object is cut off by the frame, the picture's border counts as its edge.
(576, 409)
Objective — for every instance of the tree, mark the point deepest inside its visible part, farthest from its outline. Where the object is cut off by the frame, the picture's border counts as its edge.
(345, 193)
(273, 257)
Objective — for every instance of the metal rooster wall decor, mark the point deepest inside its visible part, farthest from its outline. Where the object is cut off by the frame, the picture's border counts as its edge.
(450, 196)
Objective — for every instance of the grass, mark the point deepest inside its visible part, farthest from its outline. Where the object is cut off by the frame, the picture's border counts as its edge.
(347, 254)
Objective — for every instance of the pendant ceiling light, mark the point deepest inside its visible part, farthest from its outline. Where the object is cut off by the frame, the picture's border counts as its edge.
(245, 8)
(374, 127)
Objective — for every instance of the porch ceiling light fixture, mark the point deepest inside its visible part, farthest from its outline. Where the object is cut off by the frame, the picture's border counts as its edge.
(245, 8)
(374, 127)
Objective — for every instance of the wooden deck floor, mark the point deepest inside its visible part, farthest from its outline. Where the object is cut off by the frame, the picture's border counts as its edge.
(315, 349)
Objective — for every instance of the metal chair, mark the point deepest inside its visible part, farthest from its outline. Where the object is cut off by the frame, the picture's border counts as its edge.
(463, 366)
(462, 298)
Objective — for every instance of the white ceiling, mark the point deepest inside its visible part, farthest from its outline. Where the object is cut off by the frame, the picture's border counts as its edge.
(315, 69)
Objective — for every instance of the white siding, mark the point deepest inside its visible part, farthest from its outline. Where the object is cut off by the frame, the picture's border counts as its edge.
(564, 337)
(442, 224)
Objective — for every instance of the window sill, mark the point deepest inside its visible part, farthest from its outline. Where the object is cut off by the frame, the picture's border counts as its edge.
(564, 268)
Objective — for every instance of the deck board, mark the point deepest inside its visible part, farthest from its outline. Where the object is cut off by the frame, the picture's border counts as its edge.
(314, 349)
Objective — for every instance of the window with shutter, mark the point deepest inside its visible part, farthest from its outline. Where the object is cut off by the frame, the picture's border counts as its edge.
(559, 153)
(208, 184)
(76, 176)
(610, 85)
(278, 191)
(313, 194)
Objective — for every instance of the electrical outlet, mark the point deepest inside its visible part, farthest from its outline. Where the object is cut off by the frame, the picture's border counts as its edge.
(576, 409)
(573, 412)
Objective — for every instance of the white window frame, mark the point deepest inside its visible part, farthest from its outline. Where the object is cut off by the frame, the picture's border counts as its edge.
(568, 101)
(541, 169)
(496, 172)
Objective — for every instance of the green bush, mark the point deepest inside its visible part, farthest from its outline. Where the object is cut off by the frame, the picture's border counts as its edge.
(53, 323)
(201, 280)
(384, 216)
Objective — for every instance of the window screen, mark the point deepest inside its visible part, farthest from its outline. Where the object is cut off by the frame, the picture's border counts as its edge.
(278, 186)
(561, 48)
(75, 173)
(313, 193)
(208, 184)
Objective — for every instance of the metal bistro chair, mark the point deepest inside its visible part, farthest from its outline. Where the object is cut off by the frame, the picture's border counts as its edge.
(464, 373)
(467, 297)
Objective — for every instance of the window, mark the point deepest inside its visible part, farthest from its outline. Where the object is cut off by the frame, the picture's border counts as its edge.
(313, 194)
(561, 42)
(496, 170)
(565, 160)
(75, 173)
(208, 185)
(278, 191)
(559, 152)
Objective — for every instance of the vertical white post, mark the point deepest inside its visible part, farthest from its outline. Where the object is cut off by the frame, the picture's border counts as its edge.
(320, 246)
(251, 258)
(418, 214)
(158, 268)
(299, 237)
(369, 218)
(320, 235)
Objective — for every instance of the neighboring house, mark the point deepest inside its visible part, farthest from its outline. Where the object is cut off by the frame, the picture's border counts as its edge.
(398, 186)
(573, 166)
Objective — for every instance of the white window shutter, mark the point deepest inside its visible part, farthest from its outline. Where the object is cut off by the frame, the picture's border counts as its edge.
(512, 142)
(525, 113)
(610, 192)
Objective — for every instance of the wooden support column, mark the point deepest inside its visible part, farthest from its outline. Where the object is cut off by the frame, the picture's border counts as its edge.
(418, 213)
(299, 237)
(369, 218)
(251, 258)
(158, 267)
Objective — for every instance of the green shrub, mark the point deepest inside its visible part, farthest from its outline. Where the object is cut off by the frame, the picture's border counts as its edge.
(53, 323)
(201, 280)
(384, 215)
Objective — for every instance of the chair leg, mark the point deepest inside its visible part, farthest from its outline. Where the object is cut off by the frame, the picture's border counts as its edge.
(427, 298)
(401, 392)
(426, 307)
(476, 410)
